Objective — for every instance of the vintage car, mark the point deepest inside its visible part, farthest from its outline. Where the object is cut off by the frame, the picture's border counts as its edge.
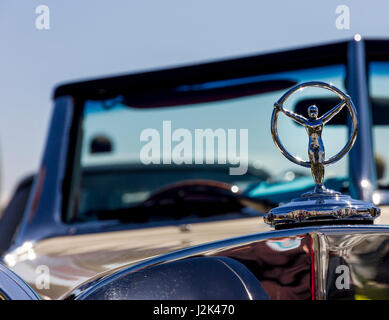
(167, 184)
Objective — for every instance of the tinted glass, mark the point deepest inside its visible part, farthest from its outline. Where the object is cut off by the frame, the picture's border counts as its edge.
(379, 92)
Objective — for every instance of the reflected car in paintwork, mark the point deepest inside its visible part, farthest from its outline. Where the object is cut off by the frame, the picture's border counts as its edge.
(112, 220)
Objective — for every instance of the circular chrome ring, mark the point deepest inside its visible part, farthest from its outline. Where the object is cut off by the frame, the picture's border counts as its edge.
(350, 106)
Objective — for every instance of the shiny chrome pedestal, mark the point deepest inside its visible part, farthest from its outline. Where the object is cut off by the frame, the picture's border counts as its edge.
(322, 208)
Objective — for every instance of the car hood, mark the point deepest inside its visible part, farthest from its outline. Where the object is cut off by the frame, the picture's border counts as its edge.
(72, 260)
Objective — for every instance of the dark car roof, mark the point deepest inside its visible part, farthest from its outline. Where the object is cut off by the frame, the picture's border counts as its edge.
(213, 71)
(312, 56)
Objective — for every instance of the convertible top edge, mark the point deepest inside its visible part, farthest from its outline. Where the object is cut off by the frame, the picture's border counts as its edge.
(285, 60)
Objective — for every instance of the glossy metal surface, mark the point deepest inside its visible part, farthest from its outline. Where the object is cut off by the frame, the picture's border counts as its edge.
(195, 278)
(339, 262)
(360, 256)
(321, 205)
(74, 259)
(314, 127)
(221, 248)
(322, 209)
(14, 288)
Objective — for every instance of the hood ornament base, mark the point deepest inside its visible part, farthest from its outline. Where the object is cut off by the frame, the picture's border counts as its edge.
(319, 208)
(320, 205)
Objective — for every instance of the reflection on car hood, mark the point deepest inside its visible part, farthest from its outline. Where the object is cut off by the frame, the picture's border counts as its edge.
(75, 259)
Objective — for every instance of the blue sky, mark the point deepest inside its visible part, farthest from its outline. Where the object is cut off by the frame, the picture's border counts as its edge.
(93, 38)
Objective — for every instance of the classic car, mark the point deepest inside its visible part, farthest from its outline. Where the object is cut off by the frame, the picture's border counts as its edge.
(122, 208)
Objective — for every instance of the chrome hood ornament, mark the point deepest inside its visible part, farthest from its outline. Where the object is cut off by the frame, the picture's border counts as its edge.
(321, 205)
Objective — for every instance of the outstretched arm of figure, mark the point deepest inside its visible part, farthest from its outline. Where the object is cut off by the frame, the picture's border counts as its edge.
(333, 112)
(294, 116)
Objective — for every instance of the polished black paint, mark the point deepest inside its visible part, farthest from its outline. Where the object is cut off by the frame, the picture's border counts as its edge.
(198, 278)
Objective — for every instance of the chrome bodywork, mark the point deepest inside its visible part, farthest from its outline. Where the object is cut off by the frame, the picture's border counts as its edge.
(322, 209)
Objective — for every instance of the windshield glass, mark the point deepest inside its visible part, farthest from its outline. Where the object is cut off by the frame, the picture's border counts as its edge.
(379, 92)
(130, 150)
